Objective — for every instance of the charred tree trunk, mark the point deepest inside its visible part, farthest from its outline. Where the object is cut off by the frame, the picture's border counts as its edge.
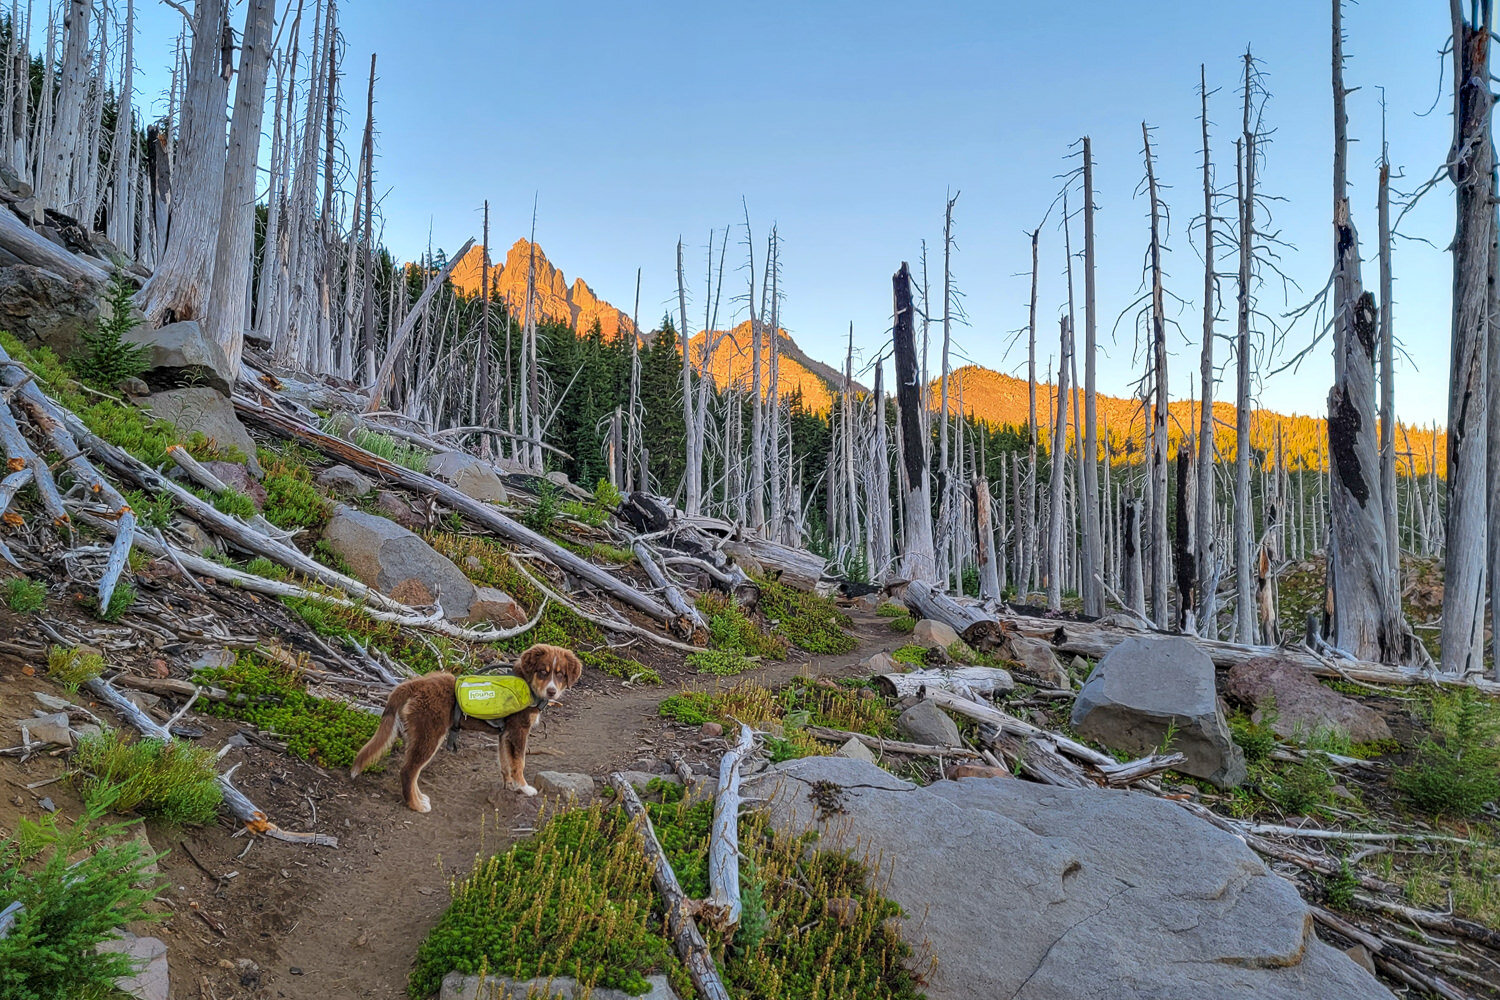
(1205, 553)
(1367, 619)
(918, 561)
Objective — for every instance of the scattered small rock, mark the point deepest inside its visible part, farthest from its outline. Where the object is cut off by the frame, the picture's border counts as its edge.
(711, 731)
(1304, 707)
(151, 981)
(473, 477)
(180, 355)
(342, 481)
(879, 663)
(51, 701)
(856, 750)
(205, 410)
(1035, 657)
(47, 805)
(496, 607)
(843, 909)
(50, 729)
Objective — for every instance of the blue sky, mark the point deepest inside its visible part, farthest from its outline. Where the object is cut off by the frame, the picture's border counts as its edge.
(845, 123)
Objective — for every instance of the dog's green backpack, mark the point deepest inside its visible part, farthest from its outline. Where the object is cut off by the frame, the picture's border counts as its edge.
(484, 697)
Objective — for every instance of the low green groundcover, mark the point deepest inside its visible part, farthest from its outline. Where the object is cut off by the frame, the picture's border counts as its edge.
(576, 899)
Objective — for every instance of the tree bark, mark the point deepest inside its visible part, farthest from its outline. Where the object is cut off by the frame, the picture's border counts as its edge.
(1160, 605)
(1206, 551)
(1471, 168)
(67, 143)
(1093, 545)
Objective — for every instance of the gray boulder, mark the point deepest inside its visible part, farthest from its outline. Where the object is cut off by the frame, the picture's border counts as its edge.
(934, 633)
(457, 986)
(1303, 707)
(41, 308)
(1036, 659)
(342, 481)
(925, 723)
(206, 411)
(1147, 686)
(50, 728)
(565, 785)
(397, 562)
(1101, 893)
(473, 477)
(182, 355)
(853, 749)
(496, 607)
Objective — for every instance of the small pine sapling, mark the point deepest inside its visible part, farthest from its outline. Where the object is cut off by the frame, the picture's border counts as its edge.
(108, 359)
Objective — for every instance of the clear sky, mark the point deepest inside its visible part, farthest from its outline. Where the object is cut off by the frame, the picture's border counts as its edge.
(846, 122)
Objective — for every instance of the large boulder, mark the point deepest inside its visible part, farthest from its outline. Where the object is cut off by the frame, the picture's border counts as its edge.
(935, 634)
(1098, 893)
(41, 308)
(180, 354)
(495, 606)
(342, 481)
(150, 981)
(1303, 707)
(207, 411)
(1146, 687)
(384, 555)
(1035, 658)
(925, 723)
(473, 477)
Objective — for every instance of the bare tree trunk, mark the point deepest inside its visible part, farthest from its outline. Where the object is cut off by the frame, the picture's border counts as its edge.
(1160, 605)
(880, 488)
(230, 286)
(1471, 168)
(180, 283)
(1093, 586)
(1367, 619)
(1029, 533)
(1244, 520)
(694, 473)
(945, 471)
(1206, 553)
(918, 561)
(1387, 373)
(757, 413)
(67, 144)
(1058, 471)
(121, 214)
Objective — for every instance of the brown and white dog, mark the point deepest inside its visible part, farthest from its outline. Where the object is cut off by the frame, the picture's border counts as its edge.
(423, 708)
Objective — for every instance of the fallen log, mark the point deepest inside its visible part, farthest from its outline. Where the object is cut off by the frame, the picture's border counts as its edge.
(883, 745)
(722, 907)
(195, 471)
(691, 947)
(961, 680)
(21, 456)
(1008, 723)
(689, 622)
(927, 602)
(794, 567)
(629, 628)
(481, 513)
(30, 247)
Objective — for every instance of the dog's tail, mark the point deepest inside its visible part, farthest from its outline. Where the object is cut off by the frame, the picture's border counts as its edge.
(385, 733)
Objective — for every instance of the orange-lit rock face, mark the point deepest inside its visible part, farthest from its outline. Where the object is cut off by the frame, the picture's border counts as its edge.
(577, 306)
(730, 366)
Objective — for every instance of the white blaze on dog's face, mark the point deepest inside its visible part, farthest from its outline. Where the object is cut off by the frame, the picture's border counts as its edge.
(549, 670)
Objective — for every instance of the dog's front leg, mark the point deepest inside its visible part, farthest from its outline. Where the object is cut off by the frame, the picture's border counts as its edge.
(513, 751)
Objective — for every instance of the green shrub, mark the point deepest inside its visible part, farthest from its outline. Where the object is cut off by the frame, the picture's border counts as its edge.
(69, 909)
(1340, 887)
(1458, 772)
(905, 624)
(1302, 788)
(891, 610)
(175, 781)
(811, 622)
(152, 510)
(73, 668)
(691, 708)
(24, 595)
(272, 697)
(391, 449)
(720, 662)
(1256, 739)
(291, 499)
(549, 506)
(120, 600)
(108, 359)
(619, 666)
(799, 703)
(731, 630)
(912, 654)
(234, 503)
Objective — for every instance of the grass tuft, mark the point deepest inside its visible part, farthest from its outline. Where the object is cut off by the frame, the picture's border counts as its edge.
(174, 781)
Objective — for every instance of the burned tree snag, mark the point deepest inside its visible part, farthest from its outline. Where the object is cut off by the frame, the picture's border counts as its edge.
(918, 561)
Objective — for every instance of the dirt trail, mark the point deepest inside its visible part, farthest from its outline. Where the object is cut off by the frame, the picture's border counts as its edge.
(346, 922)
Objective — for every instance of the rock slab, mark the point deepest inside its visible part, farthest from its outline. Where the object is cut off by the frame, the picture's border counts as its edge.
(384, 555)
(150, 981)
(342, 481)
(457, 986)
(934, 633)
(1303, 707)
(40, 307)
(1101, 893)
(1146, 687)
(206, 411)
(565, 784)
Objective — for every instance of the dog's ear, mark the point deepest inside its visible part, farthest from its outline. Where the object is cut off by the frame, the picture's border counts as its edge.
(572, 666)
(531, 661)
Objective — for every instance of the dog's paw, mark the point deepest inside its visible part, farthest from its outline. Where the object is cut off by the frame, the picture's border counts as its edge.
(527, 790)
(422, 805)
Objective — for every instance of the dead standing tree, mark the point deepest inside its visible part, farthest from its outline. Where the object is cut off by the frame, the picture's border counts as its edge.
(918, 560)
(1157, 546)
(1471, 167)
(1366, 620)
(1244, 521)
(1093, 544)
(1205, 556)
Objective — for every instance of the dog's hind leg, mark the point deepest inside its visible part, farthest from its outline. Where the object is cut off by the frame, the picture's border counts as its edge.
(513, 752)
(422, 745)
